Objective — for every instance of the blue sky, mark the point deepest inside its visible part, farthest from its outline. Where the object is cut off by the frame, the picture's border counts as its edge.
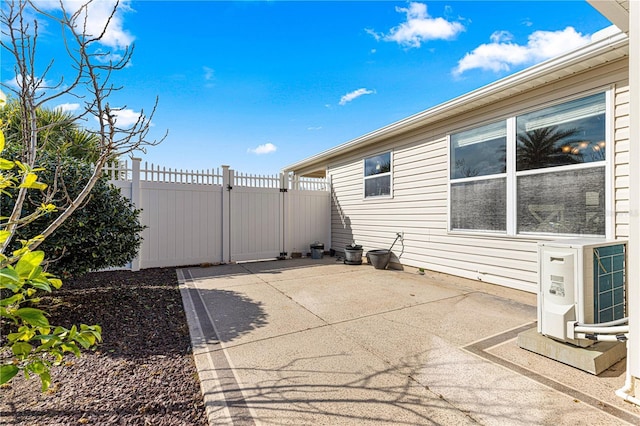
(258, 85)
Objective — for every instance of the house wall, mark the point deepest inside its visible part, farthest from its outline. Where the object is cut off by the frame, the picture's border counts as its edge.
(420, 191)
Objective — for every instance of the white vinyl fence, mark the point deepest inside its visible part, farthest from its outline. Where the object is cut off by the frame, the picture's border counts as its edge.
(218, 215)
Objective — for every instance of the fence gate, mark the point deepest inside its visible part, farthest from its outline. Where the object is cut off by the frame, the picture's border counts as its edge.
(255, 220)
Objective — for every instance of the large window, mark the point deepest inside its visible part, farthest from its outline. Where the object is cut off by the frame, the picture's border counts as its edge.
(546, 176)
(377, 176)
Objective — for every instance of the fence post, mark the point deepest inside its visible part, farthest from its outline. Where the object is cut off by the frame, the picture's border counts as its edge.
(135, 200)
(329, 189)
(285, 230)
(227, 184)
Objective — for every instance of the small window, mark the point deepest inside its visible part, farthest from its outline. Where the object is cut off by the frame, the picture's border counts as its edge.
(479, 152)
(377, 176)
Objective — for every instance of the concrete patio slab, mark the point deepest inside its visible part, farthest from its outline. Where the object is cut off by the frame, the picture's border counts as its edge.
(494, 395)
(230, 275)
(461, 320)
(310, 342)
(251, 312)
(296, 268)
(321, 377)
(340, 296)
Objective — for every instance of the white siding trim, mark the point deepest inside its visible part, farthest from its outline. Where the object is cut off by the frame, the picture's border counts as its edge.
(512, 220)
(609, 171)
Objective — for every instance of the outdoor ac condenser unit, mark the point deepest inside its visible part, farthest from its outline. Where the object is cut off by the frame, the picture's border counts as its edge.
(583, 281)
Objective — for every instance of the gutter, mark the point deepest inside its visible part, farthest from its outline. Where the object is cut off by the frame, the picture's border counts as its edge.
(609, 40)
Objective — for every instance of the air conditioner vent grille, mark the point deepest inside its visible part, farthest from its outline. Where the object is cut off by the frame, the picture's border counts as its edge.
(609, 283)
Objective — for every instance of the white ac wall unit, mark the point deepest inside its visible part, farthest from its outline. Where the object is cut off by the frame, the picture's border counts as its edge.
(580, 280)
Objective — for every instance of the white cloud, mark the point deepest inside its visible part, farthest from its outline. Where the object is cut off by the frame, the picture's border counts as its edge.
(355, 94)
(16, 83)
(501, 37)
(97, 13)
(68, 107)
(502, 54)
(209, 76)
(419, 27)
(107, 57)
(266, 148)
(124, 117)
(314, 128)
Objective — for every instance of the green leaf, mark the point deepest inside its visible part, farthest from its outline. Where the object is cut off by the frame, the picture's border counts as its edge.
(73, 332)
(41, 286)
(9, 274)
(11, 300)
(37, 367)
(24, 333)
(48, 343)
(21, 348)
(30, 181)
(70, 347)
(33, 316)
(6, 164)
(45, 378)
(28, 262)
(4, 234)
(85, 340)
(21, 166)
(7, 371)
(55, 282)
(35, 273)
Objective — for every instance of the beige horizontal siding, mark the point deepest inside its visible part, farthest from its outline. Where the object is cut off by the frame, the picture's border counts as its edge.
(621, 161)
(419, 204)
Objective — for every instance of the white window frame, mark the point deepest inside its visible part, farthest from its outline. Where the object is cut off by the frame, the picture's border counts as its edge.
(512, 174)
(365, 177)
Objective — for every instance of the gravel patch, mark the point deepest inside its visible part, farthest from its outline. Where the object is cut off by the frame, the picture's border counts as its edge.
(143, 373)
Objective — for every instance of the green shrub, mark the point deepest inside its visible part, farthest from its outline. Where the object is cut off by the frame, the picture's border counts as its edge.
(103, 233)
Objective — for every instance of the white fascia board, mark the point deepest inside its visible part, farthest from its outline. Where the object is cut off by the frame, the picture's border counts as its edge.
(606, 48)
(614, 11)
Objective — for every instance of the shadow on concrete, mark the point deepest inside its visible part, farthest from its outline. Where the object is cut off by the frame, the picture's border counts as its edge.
(296, 393)
(235, 314)
(301, 395)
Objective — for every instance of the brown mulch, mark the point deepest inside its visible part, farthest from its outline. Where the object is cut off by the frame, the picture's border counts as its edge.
(142, 373)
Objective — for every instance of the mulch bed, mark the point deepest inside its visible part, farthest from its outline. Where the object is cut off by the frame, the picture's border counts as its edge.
(142, 373)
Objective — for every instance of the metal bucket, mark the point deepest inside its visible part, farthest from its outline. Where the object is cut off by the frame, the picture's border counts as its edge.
(317, 250)
(353, 255)
(379, 258)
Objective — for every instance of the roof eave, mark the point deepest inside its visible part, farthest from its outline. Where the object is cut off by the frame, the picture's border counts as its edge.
(614, 11)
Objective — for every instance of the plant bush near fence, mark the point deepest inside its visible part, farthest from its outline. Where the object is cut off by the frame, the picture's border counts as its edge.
(103, 233)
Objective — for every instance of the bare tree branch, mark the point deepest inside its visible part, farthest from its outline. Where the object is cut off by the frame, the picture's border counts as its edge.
(89, 78)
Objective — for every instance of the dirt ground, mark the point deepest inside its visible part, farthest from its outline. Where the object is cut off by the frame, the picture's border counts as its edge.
(142, 373)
